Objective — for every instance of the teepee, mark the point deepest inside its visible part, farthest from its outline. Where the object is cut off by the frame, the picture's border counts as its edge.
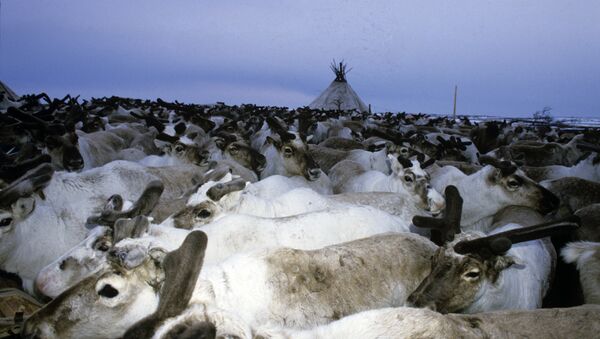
(339, 95)
(9, 93)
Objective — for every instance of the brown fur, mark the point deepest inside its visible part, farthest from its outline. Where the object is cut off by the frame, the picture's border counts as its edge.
(186, 217)
(332, 276)
(458, 288)
(341, 144)
(590, 223)
(326, 157)
(574, 193)
(577, 322)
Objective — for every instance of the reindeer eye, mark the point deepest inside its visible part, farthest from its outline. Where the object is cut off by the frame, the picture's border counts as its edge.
(288, 150)
(513, 183)
(408, 178)
(108, 291)
(233, 149)
(103, 247)
(5, 222)
(178, 148)
(404, 150)
(203, 214)
(472, 274)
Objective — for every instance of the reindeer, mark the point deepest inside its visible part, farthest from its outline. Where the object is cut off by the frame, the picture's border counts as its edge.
(475, 273)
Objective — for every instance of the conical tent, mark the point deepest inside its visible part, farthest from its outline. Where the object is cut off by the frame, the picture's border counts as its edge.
(8, 92)
(339, 95)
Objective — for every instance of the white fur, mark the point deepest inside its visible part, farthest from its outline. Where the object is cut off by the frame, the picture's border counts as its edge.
(276, 185)
(253, 288)
(234, 233)
(521, 286)
(584, 169)
(482, 199)
(57, 223)
(376, 181)
(585, 255)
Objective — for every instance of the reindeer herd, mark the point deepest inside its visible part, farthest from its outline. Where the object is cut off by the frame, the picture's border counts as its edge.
(141, 219)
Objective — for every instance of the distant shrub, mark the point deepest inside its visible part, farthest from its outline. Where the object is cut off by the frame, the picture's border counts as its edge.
(543, 116)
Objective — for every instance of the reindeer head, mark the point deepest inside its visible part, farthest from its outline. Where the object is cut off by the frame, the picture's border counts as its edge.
(17, 201)
(416, 181)
(238, 150)
(515, 188)
(137, 284)
(294, 155)
(461, 268)
(205, 206)
(90, 256)
(64, 151)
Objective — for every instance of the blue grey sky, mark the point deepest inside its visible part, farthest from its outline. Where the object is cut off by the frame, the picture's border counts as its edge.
(509, 57)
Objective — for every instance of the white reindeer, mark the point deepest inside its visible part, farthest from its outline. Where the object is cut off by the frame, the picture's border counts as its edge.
(229, 235)
(297, 288)
(36, 231)
(407, 178)
(491, 189)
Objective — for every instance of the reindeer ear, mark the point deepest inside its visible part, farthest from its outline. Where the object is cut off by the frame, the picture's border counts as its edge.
(395, 166)
(495, 175)
(114, 203)
(274, 142)
(217, 173)
(220, 142)
(498, 264)
(181, 268)
(33, 180)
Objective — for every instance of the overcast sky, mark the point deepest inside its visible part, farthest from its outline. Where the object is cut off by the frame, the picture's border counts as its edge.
(509, 57)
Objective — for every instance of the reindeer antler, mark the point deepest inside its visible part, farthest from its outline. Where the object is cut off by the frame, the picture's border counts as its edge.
(444, 229)
(500, 243)
(404, 162)
(279, 129)
(143, 206)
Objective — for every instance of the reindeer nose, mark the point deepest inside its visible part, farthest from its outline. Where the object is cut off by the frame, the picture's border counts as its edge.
(75, 164)
(261, 162)
(549, 201)
(38, 287)
(314, 173)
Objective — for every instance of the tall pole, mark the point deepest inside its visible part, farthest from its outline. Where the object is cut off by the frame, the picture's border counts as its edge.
(455, 93)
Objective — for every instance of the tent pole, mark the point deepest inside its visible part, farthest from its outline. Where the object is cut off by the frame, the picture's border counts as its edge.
(455, 93)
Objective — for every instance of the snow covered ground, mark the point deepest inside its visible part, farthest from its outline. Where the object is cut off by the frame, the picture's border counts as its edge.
(570, 121)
